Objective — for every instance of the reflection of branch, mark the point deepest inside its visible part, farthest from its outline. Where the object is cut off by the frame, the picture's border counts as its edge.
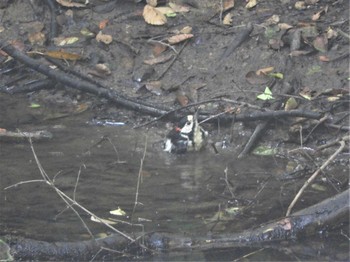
(314, 175)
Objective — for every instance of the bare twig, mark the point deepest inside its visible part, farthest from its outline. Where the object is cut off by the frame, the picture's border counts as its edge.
(69, 201)
(139, 179)
(314, 175)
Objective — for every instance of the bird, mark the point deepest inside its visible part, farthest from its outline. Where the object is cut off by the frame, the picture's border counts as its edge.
(186, 136)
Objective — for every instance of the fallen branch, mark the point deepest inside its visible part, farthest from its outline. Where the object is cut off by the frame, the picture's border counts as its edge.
(314, 175)
(314, 217)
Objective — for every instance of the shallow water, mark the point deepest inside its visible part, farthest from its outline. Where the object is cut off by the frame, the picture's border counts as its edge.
(178, 193)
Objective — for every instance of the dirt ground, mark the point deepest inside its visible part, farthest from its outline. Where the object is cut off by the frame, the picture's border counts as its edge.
(201, 69)
(302, 47)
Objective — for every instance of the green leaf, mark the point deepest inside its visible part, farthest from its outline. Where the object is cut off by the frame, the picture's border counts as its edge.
(264, 151)
(170, 14)
(276, 75)
(34, 105)
(267, 95)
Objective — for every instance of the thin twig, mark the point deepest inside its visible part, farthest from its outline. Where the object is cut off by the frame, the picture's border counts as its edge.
(69, 201)
(139, 180)
(314, 175)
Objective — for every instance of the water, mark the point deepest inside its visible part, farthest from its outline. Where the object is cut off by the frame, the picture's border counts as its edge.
(177, 193)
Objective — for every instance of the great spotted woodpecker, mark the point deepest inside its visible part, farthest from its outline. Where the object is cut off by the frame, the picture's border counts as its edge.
(188, 135)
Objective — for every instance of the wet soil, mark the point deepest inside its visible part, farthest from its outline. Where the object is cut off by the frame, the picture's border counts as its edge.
(192, 193)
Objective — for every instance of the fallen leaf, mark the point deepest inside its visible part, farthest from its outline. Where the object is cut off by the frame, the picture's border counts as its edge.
(103, 69)
(251, 4)
(227, 19)
(158, 60)
(182, 99)
(158, 49)
(284, 26)
(320, 43)
(37, 38)
(179, 38)
(290, 104)
(154, 87)
(276, 75)
(267, 95)
(34, 105)
(165, 10)
(254, 79)
(69, 3)
(307, 93)
(62, 41)
(118, 212)
(186, 30)
(104, 38)
(228, 4)
(103, 24)
(152, 16)
(323, 58)
(264, 151)
(273, 20)
(300, 5)
(152, 3)
(62, 55)
(331, 33)
(179, 8)
(86, 32)
(265, 70)
(296, 53)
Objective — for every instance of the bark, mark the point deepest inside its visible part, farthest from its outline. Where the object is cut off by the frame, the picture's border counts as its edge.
(304, 222)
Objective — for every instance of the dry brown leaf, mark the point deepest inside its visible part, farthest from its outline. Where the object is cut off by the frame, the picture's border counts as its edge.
(331, 33)
(152, 16)
(299, 52)
(69, 3)
(158, 60)
(103, 24)
(228, 4)
(317, 16)
(37, 38)
(323, 58)
(179, 38)
(154, 87)
(182, 99)
(186, 30)
(284, 26)
(273, 20)
(300, 5)
(107, 39)
(62, 55)
(158, 49)
(179, 8)
(251, 4)
(103, 69)
(152, 2)
(264, 71)
(227, 19)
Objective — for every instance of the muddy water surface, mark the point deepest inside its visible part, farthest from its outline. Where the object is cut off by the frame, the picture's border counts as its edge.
(178, 193)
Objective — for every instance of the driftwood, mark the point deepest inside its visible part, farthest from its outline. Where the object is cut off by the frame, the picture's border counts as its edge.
(304, 222)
